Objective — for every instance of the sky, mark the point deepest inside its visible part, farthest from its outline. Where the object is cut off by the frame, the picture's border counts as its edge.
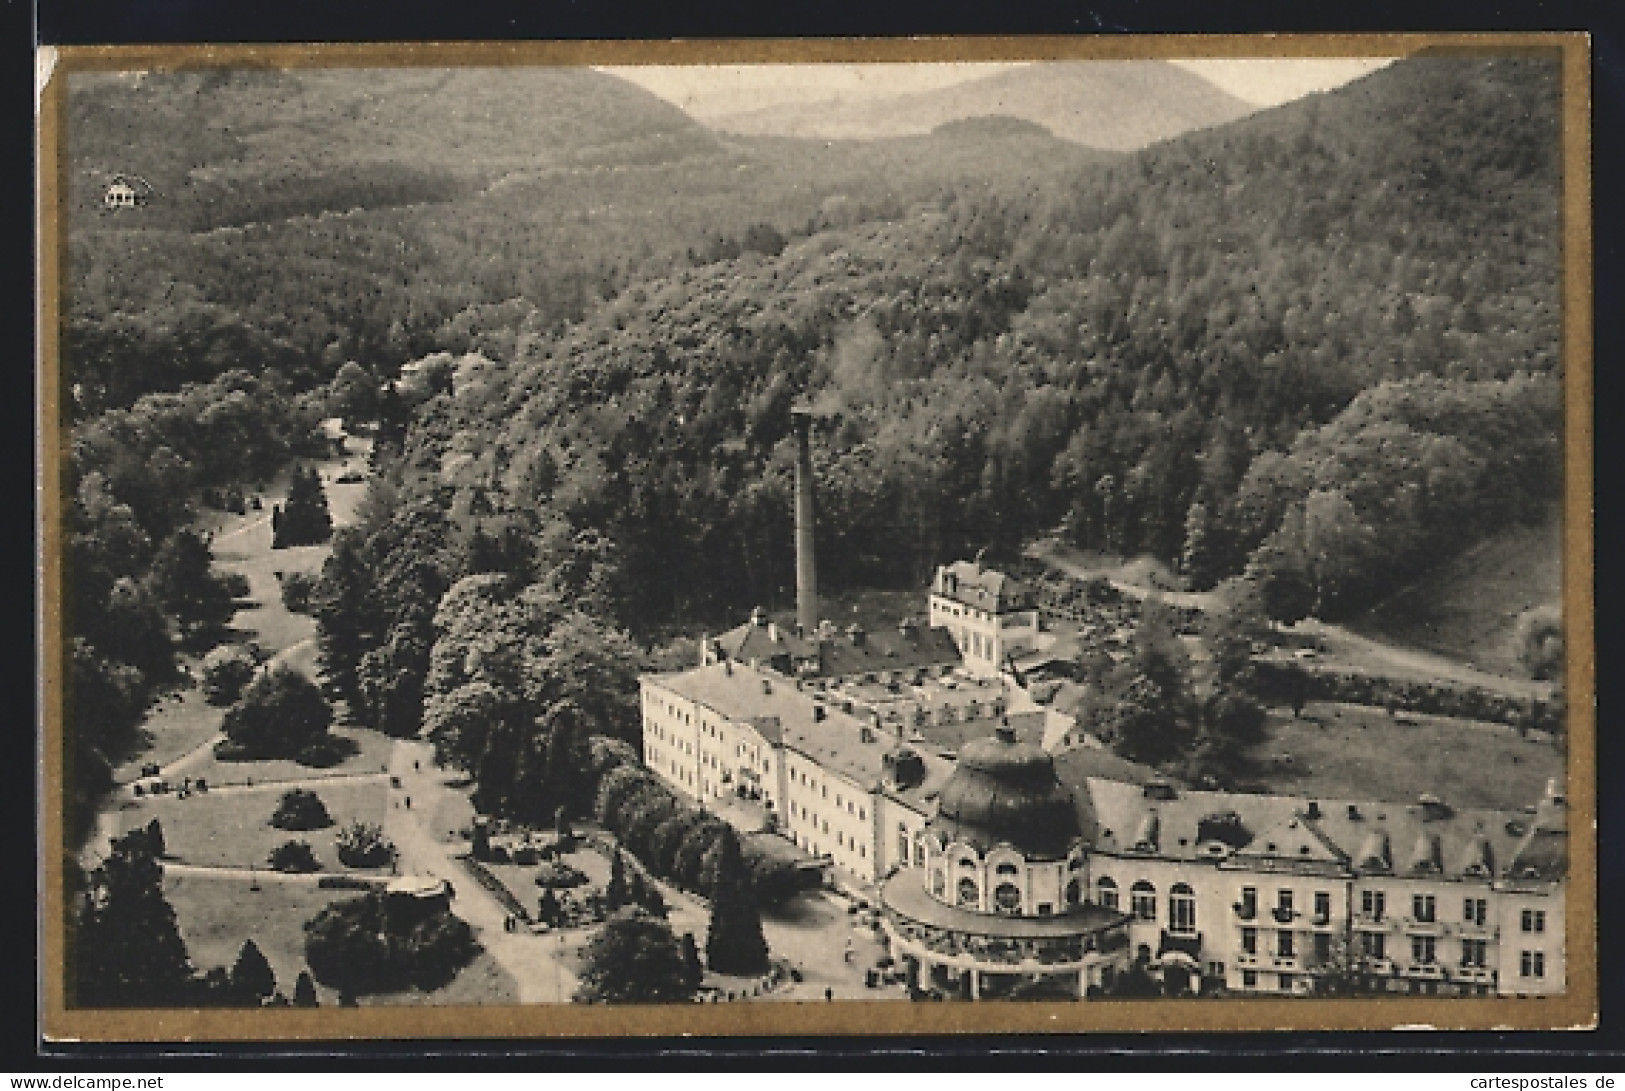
(715, 91)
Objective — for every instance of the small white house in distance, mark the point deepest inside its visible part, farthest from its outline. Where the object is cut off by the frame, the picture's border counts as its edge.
(126, 191)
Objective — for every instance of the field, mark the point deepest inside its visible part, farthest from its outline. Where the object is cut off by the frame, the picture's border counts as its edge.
(231, 828)
(212, 915)
(1344, 751)
(1469, 608)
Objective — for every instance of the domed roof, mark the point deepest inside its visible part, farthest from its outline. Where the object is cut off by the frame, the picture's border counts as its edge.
(1007, 791)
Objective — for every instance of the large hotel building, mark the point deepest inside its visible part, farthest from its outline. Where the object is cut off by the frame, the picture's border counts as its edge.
(910, 766)
(1007, 847)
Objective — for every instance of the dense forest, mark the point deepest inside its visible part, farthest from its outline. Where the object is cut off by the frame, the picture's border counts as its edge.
(302, 219)
(1323, 339)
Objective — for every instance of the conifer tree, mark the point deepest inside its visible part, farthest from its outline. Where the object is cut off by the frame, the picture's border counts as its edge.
(304, 991)
(735, 943)
(155, 839)
(252, 979)
(693, 970)
(617, 893)
(305, 519)
(127, 950)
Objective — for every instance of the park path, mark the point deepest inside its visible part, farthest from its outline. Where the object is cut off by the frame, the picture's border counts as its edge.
(531, 960)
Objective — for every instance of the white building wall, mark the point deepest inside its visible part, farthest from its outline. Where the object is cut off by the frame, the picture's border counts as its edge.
(1540, 933)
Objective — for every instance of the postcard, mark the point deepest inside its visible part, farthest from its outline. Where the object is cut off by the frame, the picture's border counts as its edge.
(827, 537)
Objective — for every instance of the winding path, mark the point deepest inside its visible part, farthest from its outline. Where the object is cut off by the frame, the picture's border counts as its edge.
(532, 960)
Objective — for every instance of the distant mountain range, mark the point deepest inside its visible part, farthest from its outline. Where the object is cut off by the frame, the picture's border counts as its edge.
(1111, 105)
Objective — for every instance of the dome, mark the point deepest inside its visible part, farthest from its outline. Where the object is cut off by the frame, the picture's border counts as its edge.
(1007, 791)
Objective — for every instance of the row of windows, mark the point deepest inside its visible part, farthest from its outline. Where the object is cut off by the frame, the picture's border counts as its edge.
(1286, 943)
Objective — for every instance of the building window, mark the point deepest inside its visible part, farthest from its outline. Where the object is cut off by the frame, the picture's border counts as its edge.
(1143, 900)
(1532, 964)
(1247, 908)
(1373, 945)
(1422, 907)
(939, 882)
(1373, 904)
(1422, 950)
(1007, 898)
(1182, 909)
(1283, 905)
(1323, 907)
(1249, 979)
(969, 895)
(1475, 911)
(1284, 943)
(1105, 891)
(1007, 869)
(1323, 947)
(902, 843)
(1474, 952)
(1534, 920)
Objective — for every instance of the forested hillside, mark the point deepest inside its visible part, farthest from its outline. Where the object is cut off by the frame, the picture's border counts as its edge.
(302, 219)
(1323, 340)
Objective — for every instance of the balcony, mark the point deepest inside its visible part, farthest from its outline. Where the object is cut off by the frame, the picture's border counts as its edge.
(1246, 911)
(1477, 975)
(1286, 962)
(1381, 966)
(1471, 930)
(1417, 927)
(1433, 971)
(1321, 924)
(1367, 923)
(1283, 915)
(1247, 958)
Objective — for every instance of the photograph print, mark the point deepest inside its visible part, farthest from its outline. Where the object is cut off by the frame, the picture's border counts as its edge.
(817, 547)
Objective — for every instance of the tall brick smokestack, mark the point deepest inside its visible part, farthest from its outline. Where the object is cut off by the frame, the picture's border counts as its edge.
(806, 568)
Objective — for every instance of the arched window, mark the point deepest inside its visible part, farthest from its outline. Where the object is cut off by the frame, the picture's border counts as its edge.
(1106, 891)
(1074, 892)
(1007, 869)
(1007, 898)
(939, 883)
(1143, 900)
(969, 894)
(967, 863)
(1182, 909)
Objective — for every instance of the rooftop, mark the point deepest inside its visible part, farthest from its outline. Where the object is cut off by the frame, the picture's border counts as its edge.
(969, 583)
(840, 653)
(788, 715)
(1426, 838)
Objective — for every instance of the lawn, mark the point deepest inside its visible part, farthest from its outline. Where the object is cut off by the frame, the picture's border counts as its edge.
(1357, 752)
(371, 756)
(232, 828)
(180, 721)
(216, 915)
(1468, 609)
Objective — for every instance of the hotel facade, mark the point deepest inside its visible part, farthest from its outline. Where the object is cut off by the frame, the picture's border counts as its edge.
(1252, 894)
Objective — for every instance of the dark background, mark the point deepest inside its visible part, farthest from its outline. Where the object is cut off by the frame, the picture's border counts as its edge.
(186, 21)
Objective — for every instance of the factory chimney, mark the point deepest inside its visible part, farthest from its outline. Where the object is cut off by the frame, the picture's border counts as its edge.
(806, 572)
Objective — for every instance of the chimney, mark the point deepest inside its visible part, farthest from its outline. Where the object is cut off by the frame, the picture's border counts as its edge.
(806, 572)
